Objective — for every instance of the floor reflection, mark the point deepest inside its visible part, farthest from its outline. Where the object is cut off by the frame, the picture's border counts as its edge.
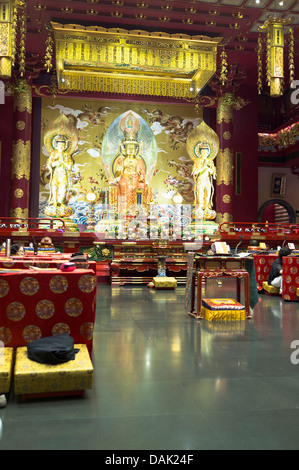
(164, 380)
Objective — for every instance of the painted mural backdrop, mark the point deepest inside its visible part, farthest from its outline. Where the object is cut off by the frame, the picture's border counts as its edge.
(162, 138)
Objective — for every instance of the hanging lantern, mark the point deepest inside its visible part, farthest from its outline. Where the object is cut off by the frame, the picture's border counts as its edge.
(275, 52)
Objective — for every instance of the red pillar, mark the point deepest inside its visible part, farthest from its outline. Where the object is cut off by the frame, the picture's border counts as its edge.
(21, 150)
(224, 161)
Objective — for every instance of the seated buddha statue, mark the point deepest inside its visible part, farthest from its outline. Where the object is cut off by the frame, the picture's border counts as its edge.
(129, 186)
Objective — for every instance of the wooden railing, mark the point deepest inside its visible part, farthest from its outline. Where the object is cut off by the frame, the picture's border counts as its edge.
(269, 230)
(31, 224)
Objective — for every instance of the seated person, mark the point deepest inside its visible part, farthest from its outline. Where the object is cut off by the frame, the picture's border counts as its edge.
(275, 276)
(17, 249)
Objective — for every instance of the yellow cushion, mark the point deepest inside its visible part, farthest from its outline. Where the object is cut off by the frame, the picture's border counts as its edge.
(165, 282)
(33, 377)
(270, 289)
(222, 310)
(6, 362)
(297, 291)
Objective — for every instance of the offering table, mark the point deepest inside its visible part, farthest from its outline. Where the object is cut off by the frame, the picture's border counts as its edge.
(219, 267)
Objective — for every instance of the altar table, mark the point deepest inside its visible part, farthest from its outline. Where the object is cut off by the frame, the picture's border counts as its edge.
(35, 304)
(224, 266)
(41, 262)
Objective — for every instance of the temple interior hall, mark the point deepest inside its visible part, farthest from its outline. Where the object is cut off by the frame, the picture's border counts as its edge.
(165, 381)
(149, 215)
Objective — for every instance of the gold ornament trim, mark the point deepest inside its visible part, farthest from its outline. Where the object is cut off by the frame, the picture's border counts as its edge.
(18, 212)
(224, 167)
(23, 97)
(227, 135)
(18, 193)
(225, 111)
(226, 198)
(20, 125)
(116, 60)
(223, 218)
(20, 160)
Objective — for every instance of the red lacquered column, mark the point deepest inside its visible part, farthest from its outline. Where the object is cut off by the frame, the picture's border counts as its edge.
(21, 150)
(224, 161)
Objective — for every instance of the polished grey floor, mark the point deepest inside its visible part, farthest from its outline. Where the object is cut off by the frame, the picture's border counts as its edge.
(166, 381)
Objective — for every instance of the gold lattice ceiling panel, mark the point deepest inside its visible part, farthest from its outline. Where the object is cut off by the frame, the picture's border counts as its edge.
(115, 60)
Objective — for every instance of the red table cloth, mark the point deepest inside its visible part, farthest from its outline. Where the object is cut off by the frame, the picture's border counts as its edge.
(290, 277)
(262, 265)
(34, 304)
(41, 262)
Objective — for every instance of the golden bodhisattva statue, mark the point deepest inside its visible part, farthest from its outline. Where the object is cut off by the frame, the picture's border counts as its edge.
(60, 166)
(60, 139)
(202, 145)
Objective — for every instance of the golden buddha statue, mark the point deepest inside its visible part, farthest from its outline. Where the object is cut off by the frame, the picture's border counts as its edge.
(129, 186)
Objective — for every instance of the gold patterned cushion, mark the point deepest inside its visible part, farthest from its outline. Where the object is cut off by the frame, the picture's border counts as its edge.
(270, 289)
(165, 282)
(297, 291)
(33, 377)
(6, 362)
(223, 310)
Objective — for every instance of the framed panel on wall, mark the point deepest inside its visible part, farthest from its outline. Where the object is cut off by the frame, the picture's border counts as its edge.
(278, 185)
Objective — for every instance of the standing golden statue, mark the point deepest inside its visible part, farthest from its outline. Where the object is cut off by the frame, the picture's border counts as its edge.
(60, 166)
(202, 145)
(60, 139)
(204, 172)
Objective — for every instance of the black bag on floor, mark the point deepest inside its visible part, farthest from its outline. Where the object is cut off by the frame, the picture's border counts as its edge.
(52, 349)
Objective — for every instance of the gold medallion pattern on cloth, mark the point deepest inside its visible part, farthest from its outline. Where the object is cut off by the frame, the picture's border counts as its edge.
(29, 286)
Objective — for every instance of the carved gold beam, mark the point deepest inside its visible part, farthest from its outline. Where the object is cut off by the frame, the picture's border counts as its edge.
(133, 62)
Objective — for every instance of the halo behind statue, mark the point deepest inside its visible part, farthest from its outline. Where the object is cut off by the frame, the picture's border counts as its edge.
(61, 128)
(202, 136)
